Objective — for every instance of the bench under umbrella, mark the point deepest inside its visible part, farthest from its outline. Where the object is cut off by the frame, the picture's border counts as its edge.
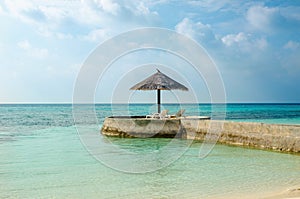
(159, 81)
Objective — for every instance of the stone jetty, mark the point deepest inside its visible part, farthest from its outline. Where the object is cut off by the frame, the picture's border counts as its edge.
(278, 137)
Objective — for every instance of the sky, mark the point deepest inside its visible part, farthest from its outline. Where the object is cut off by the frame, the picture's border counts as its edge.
(254, 44)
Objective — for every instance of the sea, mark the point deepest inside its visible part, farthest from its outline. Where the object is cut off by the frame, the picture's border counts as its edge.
(43, 155)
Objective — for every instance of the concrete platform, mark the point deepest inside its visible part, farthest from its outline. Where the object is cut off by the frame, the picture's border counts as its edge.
(140, 126)
(278, 137)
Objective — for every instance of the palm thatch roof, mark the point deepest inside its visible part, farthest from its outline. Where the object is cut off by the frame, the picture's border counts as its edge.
(159, 81)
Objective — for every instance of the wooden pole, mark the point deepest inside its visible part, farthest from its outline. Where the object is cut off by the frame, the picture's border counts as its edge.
(158, 100)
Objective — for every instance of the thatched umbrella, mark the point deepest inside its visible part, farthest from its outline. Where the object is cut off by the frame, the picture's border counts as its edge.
(159, 81)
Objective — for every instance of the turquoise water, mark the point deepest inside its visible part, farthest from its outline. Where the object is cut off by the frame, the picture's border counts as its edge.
(41, 156)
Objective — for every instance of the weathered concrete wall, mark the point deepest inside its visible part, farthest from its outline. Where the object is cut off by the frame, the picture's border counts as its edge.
(259, 135)
(140, 127)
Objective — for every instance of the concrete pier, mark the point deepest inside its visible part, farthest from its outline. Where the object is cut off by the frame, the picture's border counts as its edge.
(279, 137)
(141, 127)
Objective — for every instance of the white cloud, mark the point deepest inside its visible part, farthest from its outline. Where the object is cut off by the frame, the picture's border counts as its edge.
(20, 9)
(292, 45)
(52, 19)
(291, 12)
(45, 19)
(211, 5)
(261, 17)
(47, 32)
(33, 51)
(191, 29)
(91, 15)
(185, 27)
(244, 42)
(261, 43)
(108, 6)
(54, 13)
(95, 20)
(231, 39)
(96, 35)
(142, 9)
(108, 14)
(1, 9)
(24, 45)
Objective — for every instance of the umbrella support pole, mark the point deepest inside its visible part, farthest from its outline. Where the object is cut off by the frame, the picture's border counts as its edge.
(158, 100)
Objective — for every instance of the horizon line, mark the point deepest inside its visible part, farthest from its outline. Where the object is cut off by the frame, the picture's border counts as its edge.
(121, 103)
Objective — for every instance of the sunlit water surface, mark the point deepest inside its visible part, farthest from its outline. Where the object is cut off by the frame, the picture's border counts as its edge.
(41, 156)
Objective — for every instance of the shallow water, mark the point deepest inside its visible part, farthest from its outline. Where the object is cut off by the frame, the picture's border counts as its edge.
(45, 158)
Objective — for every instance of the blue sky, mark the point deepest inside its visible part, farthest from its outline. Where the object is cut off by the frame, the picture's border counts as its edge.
(255, 44)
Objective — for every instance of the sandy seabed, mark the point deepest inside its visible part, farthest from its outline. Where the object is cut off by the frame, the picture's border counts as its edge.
(293, 193)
